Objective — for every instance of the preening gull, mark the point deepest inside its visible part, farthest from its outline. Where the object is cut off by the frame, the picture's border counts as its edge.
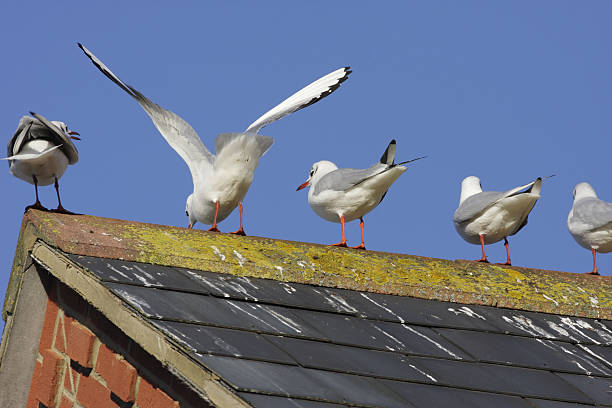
(39, 152)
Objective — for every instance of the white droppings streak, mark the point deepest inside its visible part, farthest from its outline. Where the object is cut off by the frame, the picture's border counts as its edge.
(283, 319)
(423, 373)
(252, 315)
(466, 311)
(241, 259)
(551, 299)
(280, 269)
(109, 266)
(217, 252)
(145, 273)
(142, 279)
(527, 325)
(591, 352)
(209, 283)
(389, 336)
(384, 308)
(248, 282)
(134, 301)
(593, 300)
(288, 288)
(576, 326)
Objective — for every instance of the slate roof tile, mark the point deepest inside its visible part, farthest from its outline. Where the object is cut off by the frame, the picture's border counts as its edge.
(428, 396)
(227, 342)
(269, 401)
(599, 389)
(522, 351)
(283, 344)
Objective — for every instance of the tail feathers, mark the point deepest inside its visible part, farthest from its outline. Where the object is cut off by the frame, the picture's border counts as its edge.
(389, 155)
(31, 156)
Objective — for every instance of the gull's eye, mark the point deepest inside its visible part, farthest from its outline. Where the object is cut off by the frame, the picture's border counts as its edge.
(186, 213)
(311, 172)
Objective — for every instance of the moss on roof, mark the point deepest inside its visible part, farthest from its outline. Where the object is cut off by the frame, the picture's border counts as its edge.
(429, 278)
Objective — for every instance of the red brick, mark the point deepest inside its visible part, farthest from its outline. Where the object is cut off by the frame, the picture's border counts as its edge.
(46, 337)
(65, 403)
(92, 393)
(151, 397)
(47, 379)
(80, 341)
(120, 376)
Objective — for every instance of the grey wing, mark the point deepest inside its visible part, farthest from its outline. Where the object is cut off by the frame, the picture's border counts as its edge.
(593, 212)
(56, 135)
(262, 143)
(476, 204)
(344, 179)
(177, 132)
(14, 145)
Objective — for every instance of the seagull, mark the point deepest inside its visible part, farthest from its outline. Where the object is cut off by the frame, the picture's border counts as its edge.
(343, 195)
(221, 181)
(39, 153)
(486, 217)
(590, 222)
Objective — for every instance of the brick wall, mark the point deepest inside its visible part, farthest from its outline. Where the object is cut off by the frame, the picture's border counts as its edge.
(74, 369)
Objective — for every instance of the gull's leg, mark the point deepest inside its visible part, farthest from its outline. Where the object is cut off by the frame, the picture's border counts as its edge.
(37, 205)
(59, 208)
(343, 242)
(595, 270)
(241, 230)
(214, 226)
(362, 246)
(484, 257)
(507, 253)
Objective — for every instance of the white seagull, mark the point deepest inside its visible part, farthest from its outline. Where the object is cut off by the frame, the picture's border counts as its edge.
(343, 195)
(39, 153)
(486, 217)
(590, 222)
(221, 181)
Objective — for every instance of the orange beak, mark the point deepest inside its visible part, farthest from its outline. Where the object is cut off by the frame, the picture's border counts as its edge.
(303, 185)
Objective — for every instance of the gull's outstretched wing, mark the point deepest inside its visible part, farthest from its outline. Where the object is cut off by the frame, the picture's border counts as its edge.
(178, 133)
(312, 93)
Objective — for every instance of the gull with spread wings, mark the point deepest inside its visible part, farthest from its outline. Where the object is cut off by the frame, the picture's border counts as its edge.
(221, 181)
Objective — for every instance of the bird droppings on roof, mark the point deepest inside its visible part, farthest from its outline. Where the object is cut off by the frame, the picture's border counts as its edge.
(429, 278)
(272, 342)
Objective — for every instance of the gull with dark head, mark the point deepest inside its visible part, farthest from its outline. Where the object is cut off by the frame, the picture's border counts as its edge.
(590, 222)
(221, 181)
(39, 152)
(486, 217)
(343, 195)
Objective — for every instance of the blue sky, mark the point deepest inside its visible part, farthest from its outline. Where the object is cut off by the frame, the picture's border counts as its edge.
(507, 91)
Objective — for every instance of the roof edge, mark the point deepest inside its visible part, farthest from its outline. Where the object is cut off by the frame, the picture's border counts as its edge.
(134, 325)
(397, 274)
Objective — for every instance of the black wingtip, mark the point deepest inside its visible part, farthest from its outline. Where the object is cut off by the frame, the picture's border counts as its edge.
(32, 113)
(392, 142)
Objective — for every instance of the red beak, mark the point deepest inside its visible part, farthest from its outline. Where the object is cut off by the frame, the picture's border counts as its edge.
(190, 226)
(303, 185)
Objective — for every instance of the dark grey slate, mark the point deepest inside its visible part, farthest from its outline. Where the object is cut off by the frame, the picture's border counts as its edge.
(227, 342)
(523, 351)
(498, 378)
(314, 354)
(294, 345)
(429, 396)
(141, 274)
(268, 401)
(279, 379)
(599, 389)
(537, 403)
